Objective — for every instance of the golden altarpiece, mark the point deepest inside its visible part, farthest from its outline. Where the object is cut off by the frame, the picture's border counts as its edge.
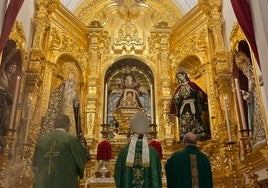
(150, 39)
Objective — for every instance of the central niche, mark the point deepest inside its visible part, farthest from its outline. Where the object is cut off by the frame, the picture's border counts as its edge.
(128, 88)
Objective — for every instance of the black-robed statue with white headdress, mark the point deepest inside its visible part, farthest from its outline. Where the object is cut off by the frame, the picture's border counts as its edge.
(138, 164)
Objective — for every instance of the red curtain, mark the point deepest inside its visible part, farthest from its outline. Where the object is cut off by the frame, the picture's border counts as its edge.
(244, 17)
(10, 17)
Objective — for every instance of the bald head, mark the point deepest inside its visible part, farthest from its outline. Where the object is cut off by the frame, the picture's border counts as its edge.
(189, 139)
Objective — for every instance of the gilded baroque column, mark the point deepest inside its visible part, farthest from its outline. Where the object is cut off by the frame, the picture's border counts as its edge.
(225, 129)
(29, 126)
(159, 44)
(38, 51)
(92, 108)
(225, 95)
(215, 25)
(33, 84)
(207, 70)
(223, 76)
(225, 126)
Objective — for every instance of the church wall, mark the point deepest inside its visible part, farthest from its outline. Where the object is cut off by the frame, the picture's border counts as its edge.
(229, 20)
(26, 16)
(260, 22)
(3, 5)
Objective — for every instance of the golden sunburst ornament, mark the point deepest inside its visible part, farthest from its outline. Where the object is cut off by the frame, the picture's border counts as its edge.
(241, 60)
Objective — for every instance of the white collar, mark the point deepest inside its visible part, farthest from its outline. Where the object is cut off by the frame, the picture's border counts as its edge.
(60, 129)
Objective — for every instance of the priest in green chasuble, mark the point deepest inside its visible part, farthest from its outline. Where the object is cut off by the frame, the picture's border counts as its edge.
(189, 168)
(59, 157)
(138, 164)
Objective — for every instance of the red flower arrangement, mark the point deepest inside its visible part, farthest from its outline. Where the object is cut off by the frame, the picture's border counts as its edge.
(104, 151)
(157, 145)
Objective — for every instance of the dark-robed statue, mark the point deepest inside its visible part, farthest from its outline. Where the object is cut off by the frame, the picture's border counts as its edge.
(188, 103)
(6, 99)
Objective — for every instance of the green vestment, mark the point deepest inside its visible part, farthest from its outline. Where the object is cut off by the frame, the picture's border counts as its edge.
(138, 176)
(59, 159)
(182, 165)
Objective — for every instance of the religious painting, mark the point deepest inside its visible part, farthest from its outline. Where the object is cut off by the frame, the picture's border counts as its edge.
(128, 89)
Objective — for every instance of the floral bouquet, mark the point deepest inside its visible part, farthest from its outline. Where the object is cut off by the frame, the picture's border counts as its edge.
(157, 145)
(104, 151)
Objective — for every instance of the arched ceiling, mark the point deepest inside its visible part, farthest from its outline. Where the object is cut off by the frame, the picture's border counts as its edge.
(183, 5)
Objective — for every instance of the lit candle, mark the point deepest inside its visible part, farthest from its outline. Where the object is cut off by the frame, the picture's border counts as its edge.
(240, 104)
(152, 106)
(13, 109)
(227, 120)
(28, 121)
(106, 103)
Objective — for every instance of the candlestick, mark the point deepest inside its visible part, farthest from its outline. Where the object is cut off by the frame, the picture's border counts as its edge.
(227, 120)
(28, 121)
(240, 103)
(13, 109)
